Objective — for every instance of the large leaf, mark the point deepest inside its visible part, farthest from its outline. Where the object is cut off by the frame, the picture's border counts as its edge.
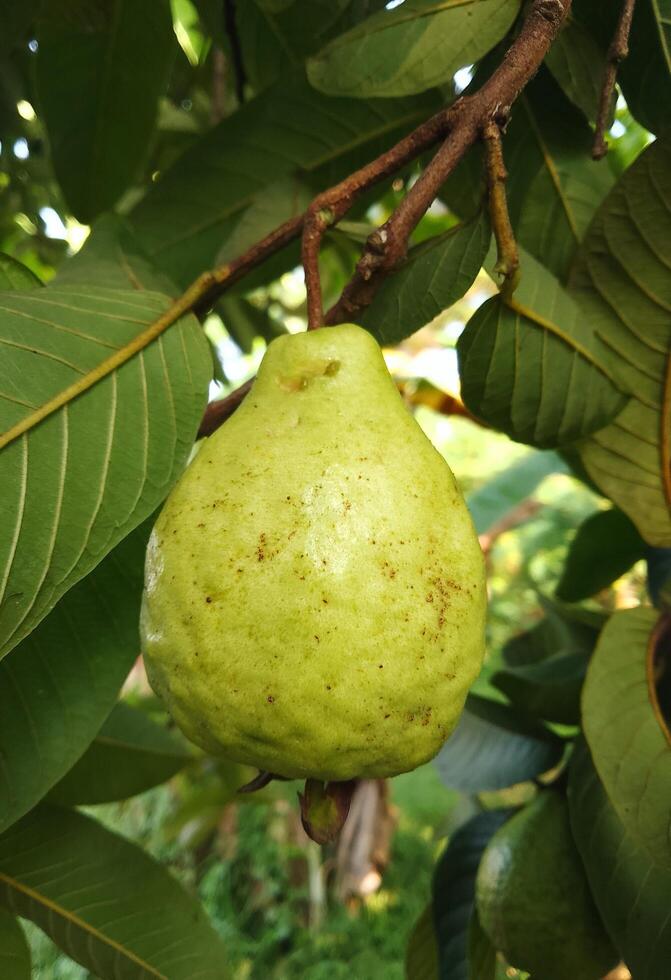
(105, 902)
(495, 746)
(625, 730)
(577, 63)
(187, 216)
(14, 951)
(130, 754)
(60, 683)
(435, 274)
(454, 892)
(549, 689)
(622, 281)
(530, 365)
(276, 35)
(421, 955)
(561, 631)
(111, 256)
(101, 67)
(74, 483)
(419, 45)
(606, 545)
(630, 887)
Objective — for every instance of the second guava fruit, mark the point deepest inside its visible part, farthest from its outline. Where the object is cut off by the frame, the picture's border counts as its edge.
(314, 596)
(534, 899)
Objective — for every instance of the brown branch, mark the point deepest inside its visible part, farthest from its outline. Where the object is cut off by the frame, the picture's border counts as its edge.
(508, 256)
(387, 246)
(617, 52)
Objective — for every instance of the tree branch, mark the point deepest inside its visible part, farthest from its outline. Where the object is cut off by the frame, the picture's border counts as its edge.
(508, 256)
(617, 52)
(387, 246)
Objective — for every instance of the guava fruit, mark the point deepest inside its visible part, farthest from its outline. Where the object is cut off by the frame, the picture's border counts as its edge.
(314, 597)
(534, 900)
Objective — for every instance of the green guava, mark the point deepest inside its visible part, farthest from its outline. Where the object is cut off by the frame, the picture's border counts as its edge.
(315, 599)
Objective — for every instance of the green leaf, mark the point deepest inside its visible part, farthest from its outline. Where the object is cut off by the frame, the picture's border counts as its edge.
(561, 630)
(16, 19)
(454, 893)
(187, 216)
(549, 689)
(106, 903)
(578, 63)
(130, 754)
(58, 686)
(15, 275)
(495, 498)
(410, 49)
(111, 256)
(483, 963)
(96, 61)
(14, 950)
(434, 276)
(625, 731)
(74, 484)
(622, 282)
(605, 546)
(245, 321)
(421, 955)
(630, 887)
(495, 746)
(530, 366)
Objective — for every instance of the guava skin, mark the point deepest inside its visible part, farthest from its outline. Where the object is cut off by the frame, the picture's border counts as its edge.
(314, 594)
(534, 900)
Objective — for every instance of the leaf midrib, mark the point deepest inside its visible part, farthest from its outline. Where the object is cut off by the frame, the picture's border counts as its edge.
(54, 908)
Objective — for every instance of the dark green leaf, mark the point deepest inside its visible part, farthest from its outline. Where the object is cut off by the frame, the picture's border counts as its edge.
(549, 690)
(606, 545)
(186, 218)
(129, 754)
(577, 62)
(421, 955)
(76, 483)
(622, 282)
(495, 746)
(14, 951)
(483, 963)
(112, 257)
(630, 887)
(561, 630)
(435, 275)
(17, 20)
(245, 321)
(60, 683)
(628, 739)
(495, 498)
(454, 893)
(15, 275)
(105, 902)
(101, 68)
(419, 45)
(530, 365)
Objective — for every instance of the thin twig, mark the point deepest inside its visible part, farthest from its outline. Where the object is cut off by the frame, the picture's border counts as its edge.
(617, 52)
(387, 246)
(508, 256)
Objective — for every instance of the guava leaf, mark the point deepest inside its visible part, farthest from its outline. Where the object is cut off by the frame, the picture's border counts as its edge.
(104, 901)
